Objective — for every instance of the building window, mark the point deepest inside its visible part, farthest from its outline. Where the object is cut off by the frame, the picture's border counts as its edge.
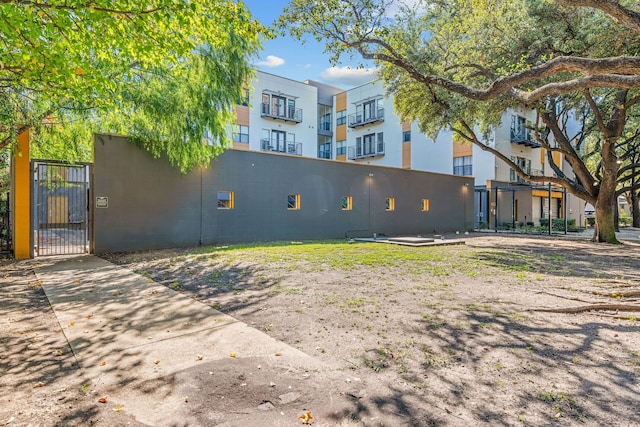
(225, 199)
(406, 136)
(347, 203)
(341, 117)
(281, 107)
(245, 97)
(241, 134)
(425, 205)
(524, 165)
(463, 165)
(390, 204)
(367, 112)
(293, 202)
(370, 145)
(324, 147)
(519, 131)
(341, 147)
(324, 119)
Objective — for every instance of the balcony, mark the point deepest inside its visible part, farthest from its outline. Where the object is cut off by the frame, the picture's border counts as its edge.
(366, 118)
(294, 148)
(281, 112)
(523, 137)
(366, 150)
(515, 179)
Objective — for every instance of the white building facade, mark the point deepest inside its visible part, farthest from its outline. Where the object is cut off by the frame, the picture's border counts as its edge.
(312, 119)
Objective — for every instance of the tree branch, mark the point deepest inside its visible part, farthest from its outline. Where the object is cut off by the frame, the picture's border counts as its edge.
(624, 16)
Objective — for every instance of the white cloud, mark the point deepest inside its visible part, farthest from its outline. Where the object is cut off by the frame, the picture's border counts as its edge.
(349, 76)
(272, 61)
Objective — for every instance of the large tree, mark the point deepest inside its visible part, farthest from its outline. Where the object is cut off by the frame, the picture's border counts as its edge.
(460, 64)
(165, 72)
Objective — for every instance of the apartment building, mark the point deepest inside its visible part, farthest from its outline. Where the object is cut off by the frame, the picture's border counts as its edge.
(359, 125)
(279, 115)
(503, 199)
(312, 119)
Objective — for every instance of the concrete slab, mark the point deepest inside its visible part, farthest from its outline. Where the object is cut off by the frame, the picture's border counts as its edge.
(413, 241)
(125, 329)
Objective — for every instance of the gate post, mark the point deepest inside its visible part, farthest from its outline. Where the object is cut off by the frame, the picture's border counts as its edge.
(21, 200)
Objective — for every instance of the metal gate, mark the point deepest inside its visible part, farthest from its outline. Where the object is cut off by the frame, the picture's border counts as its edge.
(61, 208)
(5, 225)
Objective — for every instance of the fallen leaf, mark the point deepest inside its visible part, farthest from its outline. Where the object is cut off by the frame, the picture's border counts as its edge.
(103, 363)
(149, 281)
(199, 357)
(79, 71)
(38, 385)
(117, 408)
(156, 361)
(76, 281)
(232, 355)
(72, 323)
(306, 417)
(186, 398)
(278, 354)
(89, 316)
(103, 399)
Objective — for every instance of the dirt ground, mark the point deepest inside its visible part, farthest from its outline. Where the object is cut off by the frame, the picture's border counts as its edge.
(446, 335)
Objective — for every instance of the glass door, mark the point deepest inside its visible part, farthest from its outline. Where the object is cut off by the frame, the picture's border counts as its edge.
(278, 106)
(279, 141)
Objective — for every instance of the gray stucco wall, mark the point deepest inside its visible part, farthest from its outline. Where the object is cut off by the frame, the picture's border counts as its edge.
(151, 205)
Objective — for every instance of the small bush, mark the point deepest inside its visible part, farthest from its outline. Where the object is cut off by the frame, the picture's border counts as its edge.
(557, 224)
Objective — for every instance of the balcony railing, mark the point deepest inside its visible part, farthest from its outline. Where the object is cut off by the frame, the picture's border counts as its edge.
(361, 119)
(273, 146)
(514, 178)
(366, 149)
(523, 137)
(282, 112)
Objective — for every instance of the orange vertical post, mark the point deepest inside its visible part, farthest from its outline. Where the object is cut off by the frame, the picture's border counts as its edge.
(22, 198)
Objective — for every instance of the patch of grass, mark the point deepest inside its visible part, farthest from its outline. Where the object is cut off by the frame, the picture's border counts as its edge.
(521, 276)
(553, 396)
(289, 290)
(355, 302)
(434, 322)
(174, 285)
(434, 359)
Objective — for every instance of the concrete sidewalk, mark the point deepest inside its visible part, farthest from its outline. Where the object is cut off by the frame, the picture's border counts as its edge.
(132, 338)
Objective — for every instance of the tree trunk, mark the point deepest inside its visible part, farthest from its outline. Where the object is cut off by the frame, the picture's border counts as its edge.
(634, 205)
(605, 213)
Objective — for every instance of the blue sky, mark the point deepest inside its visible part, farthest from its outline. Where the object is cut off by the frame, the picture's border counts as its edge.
(291, 58)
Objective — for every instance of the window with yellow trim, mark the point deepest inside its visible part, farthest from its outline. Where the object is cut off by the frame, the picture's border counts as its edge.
(390, 204)
(225, 200)
(347, 203)
(293, 202)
